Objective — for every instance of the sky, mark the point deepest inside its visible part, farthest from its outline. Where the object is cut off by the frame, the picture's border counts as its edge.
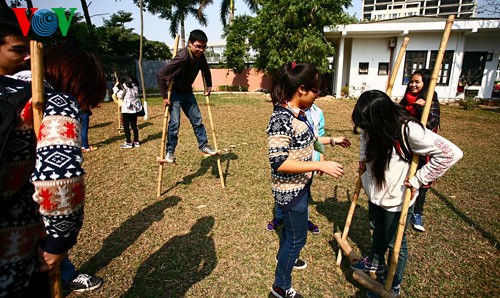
(156, 28)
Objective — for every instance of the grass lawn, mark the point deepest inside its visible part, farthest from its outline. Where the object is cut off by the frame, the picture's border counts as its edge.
(199, 240)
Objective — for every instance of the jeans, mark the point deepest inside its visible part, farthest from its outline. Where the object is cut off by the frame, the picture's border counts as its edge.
(184, 100)
(384, 235)
(420, 201)
(130, 120)
(293, 238)
(67, 270)
(85, 130)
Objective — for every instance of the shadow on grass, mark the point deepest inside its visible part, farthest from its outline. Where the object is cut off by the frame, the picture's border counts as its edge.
(179, 264)
(211, 162)
(125, 235)
(359, 231)
(99, 125)
(491, 239)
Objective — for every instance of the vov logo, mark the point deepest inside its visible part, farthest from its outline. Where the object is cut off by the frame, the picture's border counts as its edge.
(44, 22)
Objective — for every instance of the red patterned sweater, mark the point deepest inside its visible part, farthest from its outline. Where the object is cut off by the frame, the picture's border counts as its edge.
(42, 188)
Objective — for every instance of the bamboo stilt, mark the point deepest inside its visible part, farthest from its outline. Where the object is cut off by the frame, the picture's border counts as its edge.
(207, 98)
(165, 123)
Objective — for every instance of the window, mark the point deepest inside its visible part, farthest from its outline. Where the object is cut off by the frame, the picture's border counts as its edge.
(363, 68)
(445, 71)
(414, 60)
(473, 68)
(383, 69)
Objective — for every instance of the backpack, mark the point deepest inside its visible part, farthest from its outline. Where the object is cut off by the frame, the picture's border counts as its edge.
(10, 107)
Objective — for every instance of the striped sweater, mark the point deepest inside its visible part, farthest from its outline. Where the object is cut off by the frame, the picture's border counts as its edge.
(289, 137)
(41, 188)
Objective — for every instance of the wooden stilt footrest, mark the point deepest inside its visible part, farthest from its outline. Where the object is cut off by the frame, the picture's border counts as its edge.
(373, 285)
(346, 248)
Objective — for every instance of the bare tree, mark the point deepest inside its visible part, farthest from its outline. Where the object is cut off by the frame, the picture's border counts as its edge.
(85, 9)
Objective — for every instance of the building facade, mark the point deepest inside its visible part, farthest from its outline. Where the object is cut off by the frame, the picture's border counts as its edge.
(366, 53)
(373, 10)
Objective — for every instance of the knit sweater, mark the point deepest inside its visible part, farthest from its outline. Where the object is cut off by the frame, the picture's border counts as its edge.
(289, 137)
(443, 154)
(41, 188)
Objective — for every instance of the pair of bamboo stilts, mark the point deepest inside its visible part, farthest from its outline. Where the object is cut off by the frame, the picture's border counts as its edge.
(361, 277)
(161, 159)
(37, 103)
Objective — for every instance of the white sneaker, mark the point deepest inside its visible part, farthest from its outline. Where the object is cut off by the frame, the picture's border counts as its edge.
(170, 157)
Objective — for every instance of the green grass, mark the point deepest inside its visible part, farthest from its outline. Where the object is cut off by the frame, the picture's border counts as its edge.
(199, 240)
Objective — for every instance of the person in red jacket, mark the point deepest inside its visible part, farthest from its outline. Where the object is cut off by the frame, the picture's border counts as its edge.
(414, 102)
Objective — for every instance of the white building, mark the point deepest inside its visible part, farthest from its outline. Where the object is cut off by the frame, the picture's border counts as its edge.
(366, 52)
(373, 10)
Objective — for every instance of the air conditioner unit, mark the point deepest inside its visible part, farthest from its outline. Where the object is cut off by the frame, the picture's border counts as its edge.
(392, 42)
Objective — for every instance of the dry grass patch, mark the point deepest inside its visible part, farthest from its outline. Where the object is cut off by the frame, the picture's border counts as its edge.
(199, 240)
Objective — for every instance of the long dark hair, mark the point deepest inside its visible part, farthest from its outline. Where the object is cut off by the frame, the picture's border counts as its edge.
(383, 121)
(75, 71)
(128, 81)
(426, 79)
(290, 77)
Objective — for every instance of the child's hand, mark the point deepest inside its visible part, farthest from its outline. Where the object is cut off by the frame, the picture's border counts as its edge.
(166, 102)
(408, 184)
(331, 168)
(420, 102)
(361, 167)
(342, 142)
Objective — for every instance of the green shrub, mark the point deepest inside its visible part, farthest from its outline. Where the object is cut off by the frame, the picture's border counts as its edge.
(469, 103)
(232, 88)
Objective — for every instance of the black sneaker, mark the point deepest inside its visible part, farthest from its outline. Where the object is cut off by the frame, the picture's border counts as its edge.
(83, 283)
(280, 293)
(299, 264)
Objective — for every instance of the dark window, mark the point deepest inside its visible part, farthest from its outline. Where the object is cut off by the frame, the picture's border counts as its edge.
(473, 68)
(383, 69)
(445, 71)
(448, 9)
(363, 68)
(414, 60)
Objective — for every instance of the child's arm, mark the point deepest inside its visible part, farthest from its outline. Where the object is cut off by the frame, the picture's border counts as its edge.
(340, 141)
(443, 154)
(292, 166)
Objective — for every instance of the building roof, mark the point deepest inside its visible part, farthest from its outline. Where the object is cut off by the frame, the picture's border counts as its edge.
(406, 25)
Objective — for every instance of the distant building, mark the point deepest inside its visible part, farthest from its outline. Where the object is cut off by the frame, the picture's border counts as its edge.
(374, 10)
(366, 53)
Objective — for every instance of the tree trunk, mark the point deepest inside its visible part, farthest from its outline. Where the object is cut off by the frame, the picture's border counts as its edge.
(183, 34)
(231, 12)
(140, 61)
(85, 9)
(29, 3)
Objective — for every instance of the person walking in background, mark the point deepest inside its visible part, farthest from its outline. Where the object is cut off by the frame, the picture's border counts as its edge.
(291, 145)
(85, 132)
(128, 92)
(389, 138)
(182, 71)
(414, 102)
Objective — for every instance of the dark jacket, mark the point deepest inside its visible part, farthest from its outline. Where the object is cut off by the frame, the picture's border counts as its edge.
(183, 70)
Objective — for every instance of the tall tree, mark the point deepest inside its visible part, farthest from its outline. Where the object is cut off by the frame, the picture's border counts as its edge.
(237, 46)
(86, 14)
(292, 30)
(227, 9)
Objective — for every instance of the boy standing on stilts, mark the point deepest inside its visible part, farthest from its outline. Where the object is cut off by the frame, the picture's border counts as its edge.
(182, 72)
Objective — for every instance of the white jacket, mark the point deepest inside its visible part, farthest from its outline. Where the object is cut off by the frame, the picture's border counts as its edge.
(422, 141)
(130, 96)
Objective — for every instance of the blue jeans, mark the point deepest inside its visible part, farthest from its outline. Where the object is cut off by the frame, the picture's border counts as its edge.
(85, 130)
(67, 270)
(185, 101)
(384, 235)
(293, 238)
